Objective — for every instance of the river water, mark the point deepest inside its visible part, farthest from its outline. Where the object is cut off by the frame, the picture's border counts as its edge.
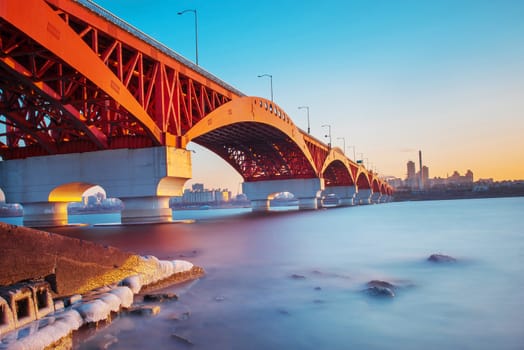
(295, 280)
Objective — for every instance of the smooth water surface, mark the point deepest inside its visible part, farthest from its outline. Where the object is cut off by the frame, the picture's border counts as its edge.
(294, 280)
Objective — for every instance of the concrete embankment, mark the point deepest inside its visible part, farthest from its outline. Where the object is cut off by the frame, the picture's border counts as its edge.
(71, 266)
(53, 285)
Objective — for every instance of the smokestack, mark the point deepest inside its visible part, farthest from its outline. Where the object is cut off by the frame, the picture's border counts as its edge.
(420, 167)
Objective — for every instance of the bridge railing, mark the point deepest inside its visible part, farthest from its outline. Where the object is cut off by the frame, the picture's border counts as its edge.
(156, 44)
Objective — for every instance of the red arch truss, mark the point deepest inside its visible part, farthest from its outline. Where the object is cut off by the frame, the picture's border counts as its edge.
(338, 170)
(74, 78)
(257, 138)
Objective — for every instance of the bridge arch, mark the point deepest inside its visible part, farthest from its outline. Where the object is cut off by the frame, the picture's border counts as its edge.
(257, 138)
(336, 170)
(69, 192)
(339, 179)
(362, 180)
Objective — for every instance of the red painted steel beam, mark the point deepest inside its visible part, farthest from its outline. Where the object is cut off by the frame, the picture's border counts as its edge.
(50, 31)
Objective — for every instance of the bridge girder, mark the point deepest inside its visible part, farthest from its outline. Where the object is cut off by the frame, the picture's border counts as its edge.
(116, 89)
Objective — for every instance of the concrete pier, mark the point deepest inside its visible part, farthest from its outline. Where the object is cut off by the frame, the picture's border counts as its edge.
(307, 191)
(143, 178)
(146, 210)
(364, 196)
(308, 203)
(375, 197)
(42, 214)
(345, 194)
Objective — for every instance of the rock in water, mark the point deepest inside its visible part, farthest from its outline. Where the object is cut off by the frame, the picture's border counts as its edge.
(144, 310)
(378, 291)
(441, 258)
(182, 339)
(160, 297)
(380, 284)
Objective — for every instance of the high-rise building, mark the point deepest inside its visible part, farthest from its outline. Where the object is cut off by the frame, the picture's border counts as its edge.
(411, 170)
(425, 176)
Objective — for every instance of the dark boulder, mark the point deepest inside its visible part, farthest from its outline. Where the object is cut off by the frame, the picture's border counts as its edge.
(441, 258)
(381, 292)
(298, 277)
(160, 297)
(381, 284)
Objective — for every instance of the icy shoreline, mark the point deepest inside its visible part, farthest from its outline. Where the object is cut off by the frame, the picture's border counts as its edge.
(72, 313)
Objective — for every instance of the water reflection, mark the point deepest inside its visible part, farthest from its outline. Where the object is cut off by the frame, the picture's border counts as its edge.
(253, 296)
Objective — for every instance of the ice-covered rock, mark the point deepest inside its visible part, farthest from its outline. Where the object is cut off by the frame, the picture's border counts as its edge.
(125, 294)
(59, 326)
(166, 268)
(134, 283)
(112, 300)
(93, 311)
(181, 266)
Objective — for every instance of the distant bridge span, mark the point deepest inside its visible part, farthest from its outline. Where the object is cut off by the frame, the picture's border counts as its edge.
(79, 86)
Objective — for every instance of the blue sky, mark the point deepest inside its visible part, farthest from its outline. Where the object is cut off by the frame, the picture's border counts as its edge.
(391, 77)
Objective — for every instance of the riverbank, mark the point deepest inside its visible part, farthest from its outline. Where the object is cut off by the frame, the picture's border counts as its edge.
(52, 285)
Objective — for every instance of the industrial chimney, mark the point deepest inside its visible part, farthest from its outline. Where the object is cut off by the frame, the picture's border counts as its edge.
(421, 179)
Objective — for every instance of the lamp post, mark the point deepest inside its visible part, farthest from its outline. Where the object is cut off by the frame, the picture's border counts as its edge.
(329, 133)
(196, 32)
(354, 156)
(361, 160)
(307, 109)
(270, 82)
(343, 144)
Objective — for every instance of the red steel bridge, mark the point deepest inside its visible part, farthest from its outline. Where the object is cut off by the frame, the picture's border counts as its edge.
(74, 78)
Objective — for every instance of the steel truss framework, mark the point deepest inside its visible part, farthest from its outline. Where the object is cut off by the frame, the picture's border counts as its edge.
(49, 107)
(76, 79)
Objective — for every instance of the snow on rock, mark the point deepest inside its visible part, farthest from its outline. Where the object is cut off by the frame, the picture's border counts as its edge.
(181, 266)
(125, 294)
(93, 311)
(166, 268)
(160, 269)
(59, 326)
(132, 282)
(112, 300)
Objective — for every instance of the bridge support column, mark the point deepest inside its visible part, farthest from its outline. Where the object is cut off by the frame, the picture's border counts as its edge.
(307, 191)
(260, 205)
(138, 210)
(144, 178)
(345, 194)
(364, 196)
(45, 214)
(375, 197)
(308, 203)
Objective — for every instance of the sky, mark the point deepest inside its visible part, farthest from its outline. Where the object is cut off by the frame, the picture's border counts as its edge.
(391, 77)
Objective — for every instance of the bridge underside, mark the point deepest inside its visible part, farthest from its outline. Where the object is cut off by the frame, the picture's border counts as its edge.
(337, 174)
(78, 86)
(258, 152)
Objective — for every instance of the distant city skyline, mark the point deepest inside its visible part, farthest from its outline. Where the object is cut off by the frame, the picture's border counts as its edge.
(391, 77)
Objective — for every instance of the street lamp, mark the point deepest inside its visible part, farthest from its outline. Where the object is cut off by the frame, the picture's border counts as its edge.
(343, 143)
(354, 157)
(361, 160)
(196, 32)
(329, 133)
(270, 82)
(307, 109)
